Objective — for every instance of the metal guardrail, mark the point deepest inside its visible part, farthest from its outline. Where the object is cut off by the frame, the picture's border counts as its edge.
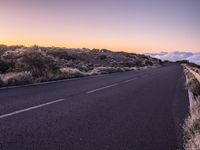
(194, 72)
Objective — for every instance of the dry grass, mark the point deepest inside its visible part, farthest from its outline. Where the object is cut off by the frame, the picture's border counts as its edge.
(192, 128)
(192, 122)
(105, 70)
(16, 78)
(74, 72)
(71, 73)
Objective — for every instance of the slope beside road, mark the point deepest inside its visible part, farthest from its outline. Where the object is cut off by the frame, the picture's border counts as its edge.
(121, 111)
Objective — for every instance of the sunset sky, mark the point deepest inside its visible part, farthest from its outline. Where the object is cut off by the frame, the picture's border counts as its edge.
(129, 25)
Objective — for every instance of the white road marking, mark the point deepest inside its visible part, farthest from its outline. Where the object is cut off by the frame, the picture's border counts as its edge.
(102, 88)
(130, 80)
(29, 109)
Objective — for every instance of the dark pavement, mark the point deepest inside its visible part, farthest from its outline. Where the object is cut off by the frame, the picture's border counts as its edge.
(136, 110)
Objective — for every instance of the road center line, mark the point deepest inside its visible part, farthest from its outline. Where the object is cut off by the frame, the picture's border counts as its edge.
(102, 88)
(29, 109)
(130, 80)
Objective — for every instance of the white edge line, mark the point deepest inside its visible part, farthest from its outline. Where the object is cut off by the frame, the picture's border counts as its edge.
(57, 81)
(50, 82)
(30, 108)
(102, 88)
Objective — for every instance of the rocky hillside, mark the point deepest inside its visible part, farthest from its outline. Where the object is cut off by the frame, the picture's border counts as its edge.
(35, 64)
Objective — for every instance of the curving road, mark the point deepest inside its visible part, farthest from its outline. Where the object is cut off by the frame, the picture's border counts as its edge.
(136, 110)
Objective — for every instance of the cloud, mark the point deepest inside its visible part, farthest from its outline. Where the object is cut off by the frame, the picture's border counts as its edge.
(174, 56)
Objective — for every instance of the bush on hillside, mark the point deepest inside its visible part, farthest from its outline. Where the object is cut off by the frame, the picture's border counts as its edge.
(16, 78)
(148, 63)
(1, 82)
(4, 66)
(38, 63)
(10, 59)
(71, 73)
(61, 54)
(102, 57)
(105, 70)
(138, 63)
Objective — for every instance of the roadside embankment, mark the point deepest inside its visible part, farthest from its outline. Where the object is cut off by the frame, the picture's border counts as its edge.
(20, 65)
(192, 122)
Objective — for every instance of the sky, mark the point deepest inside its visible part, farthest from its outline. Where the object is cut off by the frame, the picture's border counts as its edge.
(130, 25)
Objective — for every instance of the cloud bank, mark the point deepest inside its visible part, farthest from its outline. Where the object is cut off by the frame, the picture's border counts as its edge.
(174, 56)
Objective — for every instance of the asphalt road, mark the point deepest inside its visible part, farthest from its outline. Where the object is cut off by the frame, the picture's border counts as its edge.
(136, 110)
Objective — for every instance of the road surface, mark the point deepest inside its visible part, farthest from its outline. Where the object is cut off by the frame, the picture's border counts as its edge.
(135, 110)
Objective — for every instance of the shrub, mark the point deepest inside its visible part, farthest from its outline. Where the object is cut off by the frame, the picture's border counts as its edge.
(102, 57)
(148, 62)
(71, 73)
(4, 66)
(38, 63)
(194, 86)
(1, 82)
(10, 59)
(138, 63)
(105, 70)
(17, 78)
(61, 54)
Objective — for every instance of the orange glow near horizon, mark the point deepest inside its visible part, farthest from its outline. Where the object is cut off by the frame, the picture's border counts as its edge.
(131, 26)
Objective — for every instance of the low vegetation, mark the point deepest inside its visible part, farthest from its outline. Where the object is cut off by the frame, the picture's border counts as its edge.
(16, 78)
(192, 128)
(192, 123)
(24, 65)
